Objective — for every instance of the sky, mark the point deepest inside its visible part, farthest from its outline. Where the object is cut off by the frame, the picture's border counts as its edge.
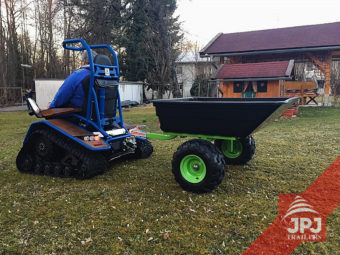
(203, 19)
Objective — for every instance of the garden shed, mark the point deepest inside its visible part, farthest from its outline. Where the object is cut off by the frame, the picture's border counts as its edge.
(263, 79)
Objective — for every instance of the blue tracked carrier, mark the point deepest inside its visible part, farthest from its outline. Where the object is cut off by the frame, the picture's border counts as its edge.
(79, 142)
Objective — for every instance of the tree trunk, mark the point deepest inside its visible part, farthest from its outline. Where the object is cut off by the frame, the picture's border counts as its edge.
(2, 51)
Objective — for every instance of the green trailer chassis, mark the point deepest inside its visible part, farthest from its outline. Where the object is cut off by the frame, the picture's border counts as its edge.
(198, 164)
(231, 147)
(169, 136)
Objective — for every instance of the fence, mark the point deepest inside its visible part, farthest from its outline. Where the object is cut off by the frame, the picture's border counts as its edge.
(10, 96)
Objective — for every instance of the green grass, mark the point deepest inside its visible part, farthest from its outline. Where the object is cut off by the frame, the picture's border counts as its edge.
(136, 207)
(320, 99)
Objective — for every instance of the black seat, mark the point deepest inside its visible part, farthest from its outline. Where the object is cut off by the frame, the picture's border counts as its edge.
(102, 60)
(110, 87)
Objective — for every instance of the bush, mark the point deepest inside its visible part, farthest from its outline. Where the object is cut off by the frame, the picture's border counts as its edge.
(200, 86)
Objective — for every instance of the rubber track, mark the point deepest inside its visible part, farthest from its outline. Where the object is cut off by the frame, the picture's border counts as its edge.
(88, 163)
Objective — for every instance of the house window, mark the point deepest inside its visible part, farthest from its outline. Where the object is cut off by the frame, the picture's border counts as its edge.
(262, 86)
(238, 86)
(179, 69)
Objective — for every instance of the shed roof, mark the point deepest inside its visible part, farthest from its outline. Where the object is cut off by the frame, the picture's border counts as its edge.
(256, 71)
(312, 36)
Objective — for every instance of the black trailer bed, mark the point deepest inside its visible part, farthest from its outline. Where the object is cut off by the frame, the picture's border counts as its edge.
(232, 117)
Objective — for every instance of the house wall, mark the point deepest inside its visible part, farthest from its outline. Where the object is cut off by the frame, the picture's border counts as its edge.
(187, 72)
(186, 77)
(273, 90)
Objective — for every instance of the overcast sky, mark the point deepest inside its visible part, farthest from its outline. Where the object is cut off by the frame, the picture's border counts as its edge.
(203, 19)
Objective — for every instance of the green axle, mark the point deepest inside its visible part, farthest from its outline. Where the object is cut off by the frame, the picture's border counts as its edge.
(170, 135)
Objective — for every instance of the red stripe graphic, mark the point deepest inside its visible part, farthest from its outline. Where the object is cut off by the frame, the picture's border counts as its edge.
(324, 192)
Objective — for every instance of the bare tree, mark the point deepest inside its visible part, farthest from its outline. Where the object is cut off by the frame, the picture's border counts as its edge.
(13, 58)
(3, 63)
(46, 60)
(31, 32)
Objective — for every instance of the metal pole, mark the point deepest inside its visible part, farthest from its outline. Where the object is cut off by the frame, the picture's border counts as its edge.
(208, 89)
(23, 77)
(217, 88)
(22, 98)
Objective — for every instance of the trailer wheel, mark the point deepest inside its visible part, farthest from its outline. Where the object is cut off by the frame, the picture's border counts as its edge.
(198, 166)
(144, 149)
(237, 152)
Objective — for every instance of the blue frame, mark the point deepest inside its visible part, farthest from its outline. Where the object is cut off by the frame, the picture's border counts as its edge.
(97, 71)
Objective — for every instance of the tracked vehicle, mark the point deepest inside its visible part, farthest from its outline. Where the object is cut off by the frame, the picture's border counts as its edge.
(79, 142)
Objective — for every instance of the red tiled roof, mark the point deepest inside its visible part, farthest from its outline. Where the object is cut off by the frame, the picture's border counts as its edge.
(255, 70)
(323, 35)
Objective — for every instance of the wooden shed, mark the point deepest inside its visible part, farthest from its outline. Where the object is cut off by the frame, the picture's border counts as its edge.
(317, 44)
(265, 79)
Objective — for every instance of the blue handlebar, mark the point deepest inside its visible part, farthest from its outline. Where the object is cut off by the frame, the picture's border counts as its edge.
(88, 48)
(77, 40)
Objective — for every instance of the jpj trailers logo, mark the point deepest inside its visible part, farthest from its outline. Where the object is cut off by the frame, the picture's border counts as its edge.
(300, 219)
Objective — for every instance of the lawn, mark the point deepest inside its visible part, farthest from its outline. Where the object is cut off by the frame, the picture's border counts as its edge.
(136, 207)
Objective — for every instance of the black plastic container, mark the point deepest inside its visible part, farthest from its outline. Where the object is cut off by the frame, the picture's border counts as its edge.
(231, 117)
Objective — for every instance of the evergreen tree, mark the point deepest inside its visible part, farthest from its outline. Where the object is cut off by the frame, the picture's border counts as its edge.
(99, 21)
(136, 59)
(151, 42)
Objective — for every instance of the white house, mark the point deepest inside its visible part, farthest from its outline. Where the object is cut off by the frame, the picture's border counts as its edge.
(188, 66)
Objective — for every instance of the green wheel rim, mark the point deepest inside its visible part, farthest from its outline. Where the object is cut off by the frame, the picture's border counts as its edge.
(193, 168)
(231, 149)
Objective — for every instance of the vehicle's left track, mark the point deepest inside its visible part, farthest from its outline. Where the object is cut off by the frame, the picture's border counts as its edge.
(47, 152)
